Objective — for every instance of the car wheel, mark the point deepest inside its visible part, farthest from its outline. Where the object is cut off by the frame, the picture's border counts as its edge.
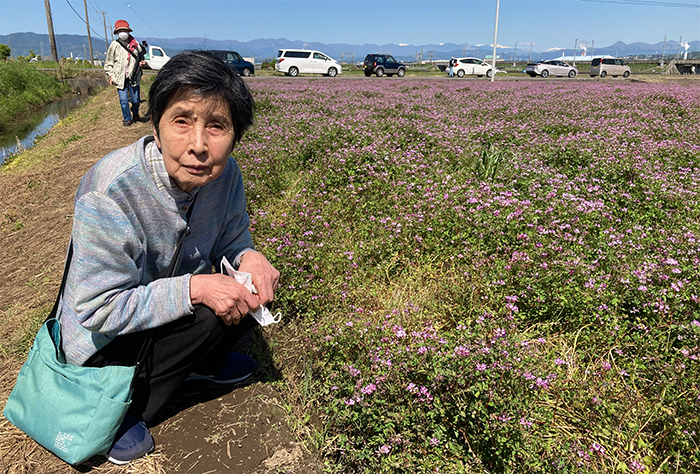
(544, 73)
(603, 73)
(332, 72)
(401, 73)
(294, 71)
(572, 74)
(460, 73)
(626, 74)
(245, 72)
(379, 72)
(488, 73)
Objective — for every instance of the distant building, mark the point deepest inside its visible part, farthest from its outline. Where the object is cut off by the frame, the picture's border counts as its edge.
(583, 59)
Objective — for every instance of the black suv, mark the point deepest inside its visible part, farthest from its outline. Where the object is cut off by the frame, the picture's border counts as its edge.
(381, 64)
(235, 62)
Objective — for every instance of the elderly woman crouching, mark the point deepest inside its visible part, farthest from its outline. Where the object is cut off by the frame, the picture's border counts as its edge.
(132, 208)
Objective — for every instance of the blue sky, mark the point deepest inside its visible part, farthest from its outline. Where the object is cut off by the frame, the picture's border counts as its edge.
(546, 24)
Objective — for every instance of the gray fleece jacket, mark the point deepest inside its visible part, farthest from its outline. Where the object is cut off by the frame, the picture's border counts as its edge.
(125, 232)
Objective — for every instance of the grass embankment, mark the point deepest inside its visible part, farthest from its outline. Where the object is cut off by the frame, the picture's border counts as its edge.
(485, 285)
(24, 88)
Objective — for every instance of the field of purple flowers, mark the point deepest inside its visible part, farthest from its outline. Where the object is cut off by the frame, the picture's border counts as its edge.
(489, 277)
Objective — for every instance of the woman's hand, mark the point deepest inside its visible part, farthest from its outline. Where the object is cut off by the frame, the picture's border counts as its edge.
(265, 277)
(229, 300)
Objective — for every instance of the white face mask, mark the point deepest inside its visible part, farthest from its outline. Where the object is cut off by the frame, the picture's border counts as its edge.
(123, 35)
(262, 315)
(265, 318)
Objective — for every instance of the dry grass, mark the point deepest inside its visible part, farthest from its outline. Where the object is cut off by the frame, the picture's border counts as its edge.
(35, 218)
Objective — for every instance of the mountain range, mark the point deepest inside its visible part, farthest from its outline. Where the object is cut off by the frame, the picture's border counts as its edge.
(261, 49)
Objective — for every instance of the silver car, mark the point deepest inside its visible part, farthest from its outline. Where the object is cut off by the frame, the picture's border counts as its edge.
(609, 66)
(551, 67)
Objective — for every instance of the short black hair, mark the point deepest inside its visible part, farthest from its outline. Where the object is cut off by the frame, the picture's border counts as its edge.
(205, 75)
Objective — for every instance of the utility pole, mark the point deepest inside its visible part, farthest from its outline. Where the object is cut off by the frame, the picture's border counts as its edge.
(663, 51)
(495, 43)
(529, 59)
(515, 53)
(592, 44)
(104, 22)
(52, 38)
(575, 49)
(87, 22)
(678, 55)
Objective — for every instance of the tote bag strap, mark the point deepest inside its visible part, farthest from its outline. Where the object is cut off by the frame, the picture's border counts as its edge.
(66, 266)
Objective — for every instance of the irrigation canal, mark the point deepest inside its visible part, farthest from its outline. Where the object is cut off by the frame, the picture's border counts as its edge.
(22, 135)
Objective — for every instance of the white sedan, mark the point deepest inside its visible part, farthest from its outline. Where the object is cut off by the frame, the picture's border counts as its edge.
(471, 67)
(551, 67)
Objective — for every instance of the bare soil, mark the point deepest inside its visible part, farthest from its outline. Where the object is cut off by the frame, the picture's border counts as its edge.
(208, 429)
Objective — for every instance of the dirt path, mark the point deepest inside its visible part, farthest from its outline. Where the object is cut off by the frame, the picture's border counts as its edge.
(211, 429)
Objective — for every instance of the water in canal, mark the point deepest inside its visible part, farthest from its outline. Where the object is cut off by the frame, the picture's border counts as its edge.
(36, 125)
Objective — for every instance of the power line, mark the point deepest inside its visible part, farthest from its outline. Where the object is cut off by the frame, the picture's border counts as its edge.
(129, 6)
(83, 20)
(653, 3)
(95, 7)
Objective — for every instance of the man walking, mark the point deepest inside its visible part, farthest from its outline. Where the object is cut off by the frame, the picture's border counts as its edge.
(123, 66)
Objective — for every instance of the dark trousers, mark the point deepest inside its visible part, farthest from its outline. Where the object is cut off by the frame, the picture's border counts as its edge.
(199, 342)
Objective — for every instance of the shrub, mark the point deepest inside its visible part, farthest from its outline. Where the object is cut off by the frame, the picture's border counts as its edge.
(23, 88)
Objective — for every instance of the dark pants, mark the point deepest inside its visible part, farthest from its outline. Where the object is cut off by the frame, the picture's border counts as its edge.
(198, 343)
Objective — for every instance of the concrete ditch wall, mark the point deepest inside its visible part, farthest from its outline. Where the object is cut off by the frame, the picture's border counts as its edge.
(87, 85)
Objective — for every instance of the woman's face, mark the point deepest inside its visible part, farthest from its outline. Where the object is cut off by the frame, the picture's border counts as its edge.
(196, 138)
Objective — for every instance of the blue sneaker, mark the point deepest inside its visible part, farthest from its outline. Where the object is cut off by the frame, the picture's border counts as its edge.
(133, 440)
(237, 368)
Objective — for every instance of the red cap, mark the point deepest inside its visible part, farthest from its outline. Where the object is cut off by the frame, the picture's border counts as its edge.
(121, 25)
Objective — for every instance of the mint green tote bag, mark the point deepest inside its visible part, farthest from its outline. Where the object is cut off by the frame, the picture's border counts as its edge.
(72, 411)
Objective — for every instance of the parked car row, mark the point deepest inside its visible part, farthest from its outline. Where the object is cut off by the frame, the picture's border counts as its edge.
(293, 62)
(599, 67)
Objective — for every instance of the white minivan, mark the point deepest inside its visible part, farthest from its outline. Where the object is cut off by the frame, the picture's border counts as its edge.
(609, 67)
(293, 62)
